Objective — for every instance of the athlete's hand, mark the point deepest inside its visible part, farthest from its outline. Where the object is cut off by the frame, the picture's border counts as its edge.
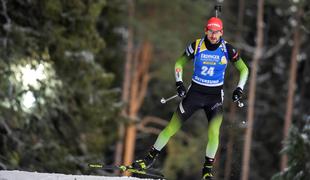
(237, 94)
(180, 88)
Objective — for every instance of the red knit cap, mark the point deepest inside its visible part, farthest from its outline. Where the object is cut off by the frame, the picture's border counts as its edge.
(214, 24)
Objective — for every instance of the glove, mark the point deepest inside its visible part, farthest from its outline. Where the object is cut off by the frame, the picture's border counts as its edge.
(180, 88)
(237, 94)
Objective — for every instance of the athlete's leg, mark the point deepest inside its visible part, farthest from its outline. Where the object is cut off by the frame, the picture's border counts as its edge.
(212, 146)
(173, 126)
(213, 135)
(185, 109)
(214, 112)
(163, 138)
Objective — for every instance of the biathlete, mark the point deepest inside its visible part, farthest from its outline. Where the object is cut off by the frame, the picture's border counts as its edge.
(210, 55)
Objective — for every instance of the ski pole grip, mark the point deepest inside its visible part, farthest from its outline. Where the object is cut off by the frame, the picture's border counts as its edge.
(218, 8)
(240, 104)
(163, 100)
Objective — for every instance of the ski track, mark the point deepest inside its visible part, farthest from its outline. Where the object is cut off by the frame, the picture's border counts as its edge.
(23, 175)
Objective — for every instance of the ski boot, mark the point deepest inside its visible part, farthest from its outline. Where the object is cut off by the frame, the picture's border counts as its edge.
(207, 169)
(147, 161)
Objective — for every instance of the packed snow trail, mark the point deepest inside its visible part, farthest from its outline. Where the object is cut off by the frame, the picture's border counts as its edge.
(23, 175)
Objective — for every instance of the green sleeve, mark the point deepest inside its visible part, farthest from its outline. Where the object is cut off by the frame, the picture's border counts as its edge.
(178, 68)
(244, 72)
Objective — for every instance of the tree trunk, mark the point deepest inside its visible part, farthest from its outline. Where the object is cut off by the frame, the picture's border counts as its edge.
(291, 87)
(230, 144)
(139, 83)
(240, 19)
(250, 114)
(126, 84)
(217, 164)
(232, 113)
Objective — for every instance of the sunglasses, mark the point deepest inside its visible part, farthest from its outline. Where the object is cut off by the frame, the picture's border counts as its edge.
(214, 32)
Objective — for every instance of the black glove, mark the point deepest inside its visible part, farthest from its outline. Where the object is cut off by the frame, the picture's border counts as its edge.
(180, 88)
(237, 94)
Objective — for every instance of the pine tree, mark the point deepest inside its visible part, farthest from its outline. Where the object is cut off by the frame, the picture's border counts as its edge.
(297, 148)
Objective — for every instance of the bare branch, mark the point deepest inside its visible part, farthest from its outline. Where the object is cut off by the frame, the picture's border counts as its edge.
(3, 166)
(7, 26)
(5, 13)
(246, 47)
(306, 30)
(10, 132)
(148, 130)
(142, 126)
(152, 119)
(273, 50)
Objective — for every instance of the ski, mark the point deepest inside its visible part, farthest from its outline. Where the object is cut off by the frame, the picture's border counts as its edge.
(147, 173)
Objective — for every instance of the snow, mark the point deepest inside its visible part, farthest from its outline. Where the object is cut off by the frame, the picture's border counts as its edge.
(23, 175)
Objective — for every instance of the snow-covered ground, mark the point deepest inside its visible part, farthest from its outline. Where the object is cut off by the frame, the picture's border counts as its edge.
(22, 175)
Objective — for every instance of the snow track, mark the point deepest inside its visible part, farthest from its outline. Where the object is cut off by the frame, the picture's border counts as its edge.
(23, 175)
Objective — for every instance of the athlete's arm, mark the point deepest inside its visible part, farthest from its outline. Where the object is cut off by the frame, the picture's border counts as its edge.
(181, 61)
(178, 67)
(243, 70)
(239, 64)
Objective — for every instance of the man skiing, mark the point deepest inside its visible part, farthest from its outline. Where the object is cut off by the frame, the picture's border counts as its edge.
(210, 55)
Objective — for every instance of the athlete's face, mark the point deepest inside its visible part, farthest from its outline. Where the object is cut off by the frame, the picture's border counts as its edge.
(214, 36)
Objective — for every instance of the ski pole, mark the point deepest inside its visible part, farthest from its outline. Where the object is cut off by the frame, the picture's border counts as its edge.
(163, 100)
(218, 10)
(240, 104)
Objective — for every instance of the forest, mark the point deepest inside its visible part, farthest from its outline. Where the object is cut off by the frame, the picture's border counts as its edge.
(81, 81)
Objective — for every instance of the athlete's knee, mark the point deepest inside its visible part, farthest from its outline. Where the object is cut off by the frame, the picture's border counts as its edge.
(216, 122)
(214, 128)
(213, 134)
(170, 129)
(173, 126)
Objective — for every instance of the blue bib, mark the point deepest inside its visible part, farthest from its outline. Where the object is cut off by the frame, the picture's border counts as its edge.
(209, 66)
